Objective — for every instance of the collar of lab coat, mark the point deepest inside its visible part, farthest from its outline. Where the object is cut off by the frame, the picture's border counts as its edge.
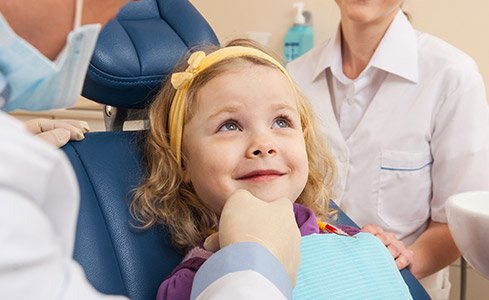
(397, 52)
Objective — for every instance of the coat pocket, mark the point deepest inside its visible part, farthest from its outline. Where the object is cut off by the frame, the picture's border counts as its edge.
(404, 189)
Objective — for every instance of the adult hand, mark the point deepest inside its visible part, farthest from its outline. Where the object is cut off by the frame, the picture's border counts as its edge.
(246, 218)
(403, 256)
(58, 132)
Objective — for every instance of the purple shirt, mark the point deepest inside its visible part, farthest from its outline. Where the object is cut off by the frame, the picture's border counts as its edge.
(178, 284)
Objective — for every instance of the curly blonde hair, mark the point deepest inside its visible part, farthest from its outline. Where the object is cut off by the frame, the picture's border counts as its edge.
(165, 198)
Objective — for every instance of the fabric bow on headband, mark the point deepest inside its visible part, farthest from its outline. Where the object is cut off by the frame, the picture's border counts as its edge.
(182, 78)
(182, 81)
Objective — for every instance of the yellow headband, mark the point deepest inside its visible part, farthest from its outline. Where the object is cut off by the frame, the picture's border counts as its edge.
(182, 81)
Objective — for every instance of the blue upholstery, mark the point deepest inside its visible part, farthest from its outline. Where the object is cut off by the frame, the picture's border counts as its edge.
(134, 53)
(138, 49)
(117, 257)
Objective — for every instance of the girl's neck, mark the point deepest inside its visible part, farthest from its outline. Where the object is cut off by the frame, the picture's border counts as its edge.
(358, 44)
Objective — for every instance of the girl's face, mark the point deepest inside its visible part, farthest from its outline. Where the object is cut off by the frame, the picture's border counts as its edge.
(246, 134)
(368, 11)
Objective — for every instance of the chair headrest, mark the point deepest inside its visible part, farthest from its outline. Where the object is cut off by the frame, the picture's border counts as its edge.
(137, 50)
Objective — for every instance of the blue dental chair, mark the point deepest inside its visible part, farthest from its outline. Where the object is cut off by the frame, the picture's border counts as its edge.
(135, 52)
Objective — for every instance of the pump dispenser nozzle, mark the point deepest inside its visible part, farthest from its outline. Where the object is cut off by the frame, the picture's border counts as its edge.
(300, 36)
(299, 17)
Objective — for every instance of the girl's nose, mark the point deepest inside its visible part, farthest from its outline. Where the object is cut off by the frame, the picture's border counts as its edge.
(262, 149)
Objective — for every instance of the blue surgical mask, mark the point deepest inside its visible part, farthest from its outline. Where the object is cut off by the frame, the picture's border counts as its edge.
(35, 82)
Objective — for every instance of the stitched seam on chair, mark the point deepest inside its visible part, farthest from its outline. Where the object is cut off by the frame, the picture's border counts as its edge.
(134, 46)
(171, 26)
(99, 73)
(109, 232)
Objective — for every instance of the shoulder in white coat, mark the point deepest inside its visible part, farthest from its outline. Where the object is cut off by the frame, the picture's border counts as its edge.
(38, 215)
(305, 69)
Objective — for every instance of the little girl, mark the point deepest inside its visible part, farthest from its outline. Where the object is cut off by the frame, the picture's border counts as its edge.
(230, 119)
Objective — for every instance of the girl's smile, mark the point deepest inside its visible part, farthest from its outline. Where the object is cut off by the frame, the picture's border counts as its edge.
(262, 175)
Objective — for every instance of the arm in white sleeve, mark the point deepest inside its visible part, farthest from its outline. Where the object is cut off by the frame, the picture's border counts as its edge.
(460, 143)
(33, 262)
(38, 214)
(242, 271)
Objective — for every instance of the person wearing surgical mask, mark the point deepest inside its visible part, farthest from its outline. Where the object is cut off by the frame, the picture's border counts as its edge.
(38, 73)
(44, 56)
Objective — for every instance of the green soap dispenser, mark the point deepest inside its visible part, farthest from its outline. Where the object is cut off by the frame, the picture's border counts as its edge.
(300, 37)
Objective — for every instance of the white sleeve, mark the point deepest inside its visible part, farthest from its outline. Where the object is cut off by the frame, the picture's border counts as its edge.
(38, 214)
(460, 143)
(241, 285)
(242, 271)
(33, 261)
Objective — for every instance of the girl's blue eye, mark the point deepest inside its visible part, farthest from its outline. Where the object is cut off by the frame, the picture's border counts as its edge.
(229, 126)
(281, 122)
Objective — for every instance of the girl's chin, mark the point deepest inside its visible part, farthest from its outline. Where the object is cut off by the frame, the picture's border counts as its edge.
(270, 196)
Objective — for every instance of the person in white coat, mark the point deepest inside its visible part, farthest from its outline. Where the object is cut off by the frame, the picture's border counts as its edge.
(39, 195)
(38, 189)
(408, 122)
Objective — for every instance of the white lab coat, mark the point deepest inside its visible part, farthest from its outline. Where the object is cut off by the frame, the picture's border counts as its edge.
(424, 136)
(38, 213)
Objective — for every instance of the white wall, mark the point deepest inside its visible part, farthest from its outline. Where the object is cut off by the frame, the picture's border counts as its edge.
(463, 23)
